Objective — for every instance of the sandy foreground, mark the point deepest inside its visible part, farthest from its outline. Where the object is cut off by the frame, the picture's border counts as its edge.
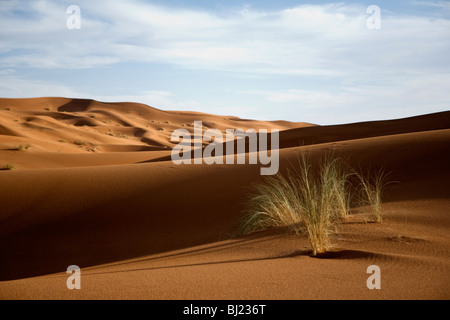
(94, 186)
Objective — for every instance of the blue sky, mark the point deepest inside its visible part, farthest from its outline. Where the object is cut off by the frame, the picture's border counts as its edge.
(262, 59)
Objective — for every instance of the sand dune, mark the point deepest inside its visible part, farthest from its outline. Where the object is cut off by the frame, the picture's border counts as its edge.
(94, 186)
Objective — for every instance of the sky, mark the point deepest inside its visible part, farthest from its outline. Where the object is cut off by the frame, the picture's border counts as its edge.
(305, 61)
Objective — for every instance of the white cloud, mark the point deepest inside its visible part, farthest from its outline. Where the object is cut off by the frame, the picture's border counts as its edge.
(401, 97)
(23, 88)
(323, 40)
(157, 99)
(13, 87)
(403, 65)
(7, 72)
(437, 4)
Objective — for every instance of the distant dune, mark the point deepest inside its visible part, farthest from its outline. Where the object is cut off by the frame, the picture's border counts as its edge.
(94, 186)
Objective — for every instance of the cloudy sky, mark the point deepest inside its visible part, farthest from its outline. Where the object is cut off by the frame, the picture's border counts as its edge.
(311, 61)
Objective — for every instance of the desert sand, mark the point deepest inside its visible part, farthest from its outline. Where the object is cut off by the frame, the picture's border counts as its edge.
(94, 186)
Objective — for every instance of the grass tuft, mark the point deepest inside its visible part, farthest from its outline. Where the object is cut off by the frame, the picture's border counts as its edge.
(9, 166)
(308, 199)
(272, 203)
(371, 190)
(312, 198)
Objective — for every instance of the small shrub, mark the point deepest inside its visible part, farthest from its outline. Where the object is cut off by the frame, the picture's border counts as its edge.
(10, 166)
(21, 147)
(79, 143)
(92, 148)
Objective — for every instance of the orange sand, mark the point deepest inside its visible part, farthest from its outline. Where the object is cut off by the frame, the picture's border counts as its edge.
(96, 188)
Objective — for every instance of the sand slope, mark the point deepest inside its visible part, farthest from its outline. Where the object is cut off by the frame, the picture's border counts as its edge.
(96, 188)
